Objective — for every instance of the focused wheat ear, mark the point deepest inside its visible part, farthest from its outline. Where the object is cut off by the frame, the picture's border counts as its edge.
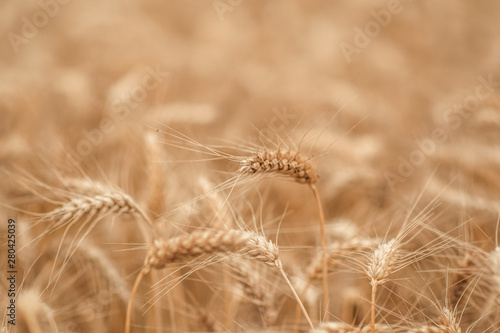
(292, 164)
(303, 170)
(243, 243)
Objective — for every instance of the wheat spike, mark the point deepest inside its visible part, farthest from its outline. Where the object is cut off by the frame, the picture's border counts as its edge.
(197, 243)
(245, 243)
(287, 163)
(382, 262)
(95, 206)
(304, 171)
(379, 268)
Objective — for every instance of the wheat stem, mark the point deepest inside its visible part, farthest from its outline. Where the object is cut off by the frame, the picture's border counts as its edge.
(128, 318)
(323, 245)
(372, 308)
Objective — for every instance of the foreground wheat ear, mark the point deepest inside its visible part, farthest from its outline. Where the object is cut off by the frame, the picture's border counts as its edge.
(303, 170)
(243, 243)
(286, 163)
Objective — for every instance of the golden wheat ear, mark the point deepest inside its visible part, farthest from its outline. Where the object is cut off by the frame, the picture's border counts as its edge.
(303, 170)
(246, 244)
(291, 164)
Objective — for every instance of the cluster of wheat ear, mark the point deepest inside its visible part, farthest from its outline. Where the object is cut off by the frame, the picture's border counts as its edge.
(250, 166)
(370, 282)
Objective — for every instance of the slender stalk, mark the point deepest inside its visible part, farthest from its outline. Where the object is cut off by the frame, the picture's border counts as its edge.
(158, 327)
(278, 264)
(323, 246)
(130, 306)
(297, 308)
(227, 297)
(372, 313)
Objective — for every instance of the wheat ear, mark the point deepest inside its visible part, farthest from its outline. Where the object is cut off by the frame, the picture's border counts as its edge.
(286, 163)
(90, 210)
(95, 206)
(379, 268)
(244, 243)
(303, 170)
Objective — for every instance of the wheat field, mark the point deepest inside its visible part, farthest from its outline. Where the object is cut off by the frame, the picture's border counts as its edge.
(250, 166)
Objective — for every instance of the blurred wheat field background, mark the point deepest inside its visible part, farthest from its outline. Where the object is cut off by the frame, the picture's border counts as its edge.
(172, 160)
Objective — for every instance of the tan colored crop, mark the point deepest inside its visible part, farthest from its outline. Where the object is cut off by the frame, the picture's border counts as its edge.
(244, 243)
(287, 163)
